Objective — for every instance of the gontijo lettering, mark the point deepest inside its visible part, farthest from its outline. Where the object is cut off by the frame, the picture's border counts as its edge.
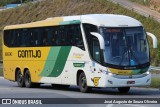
(29, 54)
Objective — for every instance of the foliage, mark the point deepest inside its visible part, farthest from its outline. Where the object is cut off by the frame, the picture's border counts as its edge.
(155, 83)
(152, 4)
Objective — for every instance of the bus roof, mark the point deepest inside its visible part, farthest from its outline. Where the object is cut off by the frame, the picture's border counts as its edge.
(108, 20)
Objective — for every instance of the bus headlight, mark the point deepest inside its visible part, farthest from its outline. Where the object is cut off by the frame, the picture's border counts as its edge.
(147, 72)
(110, 74)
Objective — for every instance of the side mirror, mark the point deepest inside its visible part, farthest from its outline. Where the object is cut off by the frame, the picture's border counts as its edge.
(154, 38)
(100, 38)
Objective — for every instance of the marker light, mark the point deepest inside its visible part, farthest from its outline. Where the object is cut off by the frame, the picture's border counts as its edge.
(147, 72)
(110, 74)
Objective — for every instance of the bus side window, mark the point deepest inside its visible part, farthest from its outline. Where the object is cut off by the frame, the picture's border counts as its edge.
(13, 39)
(88, 28)
(77, 39)
(37, 35)
(54, 36)
(69, 35)
(50, 35)
(24, 35)
(60, 41)
(32, 38)
(18, 40)
(45, 37)
(36, 39)
(8, 38)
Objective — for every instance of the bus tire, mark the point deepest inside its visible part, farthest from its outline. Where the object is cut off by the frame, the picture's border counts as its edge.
(123, 89)
(20, 79)
(83, 84)
(27, 79)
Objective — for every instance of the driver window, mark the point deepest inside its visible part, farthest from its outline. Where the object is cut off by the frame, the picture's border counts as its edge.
(142, 45)
(96, 50)
(115, 45)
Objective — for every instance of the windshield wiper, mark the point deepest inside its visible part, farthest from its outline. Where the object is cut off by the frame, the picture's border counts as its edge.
(123, 56)
(134, 56)
(130, 52)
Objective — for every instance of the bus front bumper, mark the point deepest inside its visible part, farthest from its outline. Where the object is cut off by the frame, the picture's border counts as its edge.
(110, 81)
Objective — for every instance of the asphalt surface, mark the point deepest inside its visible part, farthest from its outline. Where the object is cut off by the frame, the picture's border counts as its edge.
(140, 9)
(10, 89)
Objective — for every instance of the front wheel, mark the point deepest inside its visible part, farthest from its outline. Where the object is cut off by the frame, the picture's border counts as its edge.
(123, 89)
(83, 84)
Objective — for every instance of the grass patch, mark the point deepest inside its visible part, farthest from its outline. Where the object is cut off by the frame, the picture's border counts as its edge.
(1, 71)
(155, 83)
(139, 1)
(152, 4)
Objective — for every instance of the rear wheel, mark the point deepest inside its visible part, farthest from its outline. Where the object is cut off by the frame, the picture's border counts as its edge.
(123, 89)
(20, 79)
(27, 79)
(83, 84)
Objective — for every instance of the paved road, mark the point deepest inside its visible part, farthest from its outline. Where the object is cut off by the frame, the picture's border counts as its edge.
(138, 8)
(10, 90)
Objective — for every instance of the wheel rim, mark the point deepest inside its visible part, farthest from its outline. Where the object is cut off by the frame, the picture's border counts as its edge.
(83, 82)
(19, 78)
(27, 79)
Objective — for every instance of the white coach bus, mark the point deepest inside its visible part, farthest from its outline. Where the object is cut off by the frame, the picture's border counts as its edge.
(94, 50)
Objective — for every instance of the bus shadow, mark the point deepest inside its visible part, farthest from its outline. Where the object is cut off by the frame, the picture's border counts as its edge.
(107, 91)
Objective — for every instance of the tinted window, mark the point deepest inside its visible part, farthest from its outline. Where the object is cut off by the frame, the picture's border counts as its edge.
(96, 50)
(88, 28)
(68, 35)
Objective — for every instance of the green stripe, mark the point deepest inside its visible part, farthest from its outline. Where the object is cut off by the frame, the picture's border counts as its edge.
(70, 22)
(139, 71)
(56, 61)
(50, 62)
(60, 62)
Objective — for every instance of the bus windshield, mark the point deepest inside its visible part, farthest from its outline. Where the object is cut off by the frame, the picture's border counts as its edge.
(125, 46)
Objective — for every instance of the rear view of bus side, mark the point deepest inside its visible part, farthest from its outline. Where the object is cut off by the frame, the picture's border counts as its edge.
(94, 50)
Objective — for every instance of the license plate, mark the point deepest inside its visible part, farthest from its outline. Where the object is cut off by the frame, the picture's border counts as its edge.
(130, 82)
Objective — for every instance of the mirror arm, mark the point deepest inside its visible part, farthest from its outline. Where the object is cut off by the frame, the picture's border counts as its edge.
(154, 38)
(100, 38)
